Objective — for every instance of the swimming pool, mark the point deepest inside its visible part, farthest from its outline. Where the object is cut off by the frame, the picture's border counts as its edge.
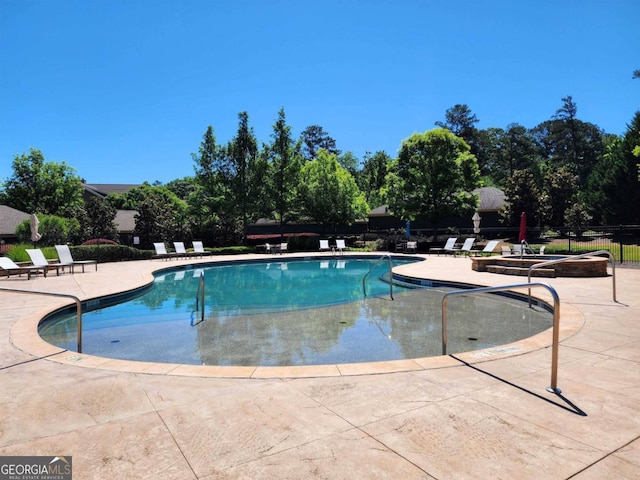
(296, 312)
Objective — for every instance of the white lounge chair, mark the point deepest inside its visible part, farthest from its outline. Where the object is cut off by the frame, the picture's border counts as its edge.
(161, 251)
(283, 248)
(198, 248)
(65, 257)
(340, 246)
(38, 260)
(489, 248)
(181, 251)
(9, 267)
(467, 246)
(449, 247)
(324, 246)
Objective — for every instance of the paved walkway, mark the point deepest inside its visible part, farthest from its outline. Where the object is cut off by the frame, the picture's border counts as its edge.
(487, 415)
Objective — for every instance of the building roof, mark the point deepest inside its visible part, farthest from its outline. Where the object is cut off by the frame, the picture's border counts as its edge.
(103, 189)
(10, 218)
(491, 199)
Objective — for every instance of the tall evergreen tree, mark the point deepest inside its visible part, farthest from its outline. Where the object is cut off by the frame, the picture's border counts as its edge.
(315, 138)
(285, 164)
(245, 167)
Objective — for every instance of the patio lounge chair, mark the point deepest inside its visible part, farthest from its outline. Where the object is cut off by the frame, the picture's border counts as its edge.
(181, 251)
(324, 246)
(340, 246)
(489, 248)
(449, 247)
(65, 257)
(161, 251)
(467, 246)
(9, 267)
(283, 248)
(38, 260)
(198, 248)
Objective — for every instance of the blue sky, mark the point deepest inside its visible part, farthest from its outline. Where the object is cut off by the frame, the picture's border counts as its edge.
(123, 91)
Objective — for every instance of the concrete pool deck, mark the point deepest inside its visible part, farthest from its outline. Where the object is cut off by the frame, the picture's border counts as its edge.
(490, 417)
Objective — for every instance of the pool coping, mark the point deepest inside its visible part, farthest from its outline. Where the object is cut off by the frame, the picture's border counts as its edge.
(24, 336)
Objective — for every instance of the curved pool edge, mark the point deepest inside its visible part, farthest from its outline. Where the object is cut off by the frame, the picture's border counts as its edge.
(24, 336)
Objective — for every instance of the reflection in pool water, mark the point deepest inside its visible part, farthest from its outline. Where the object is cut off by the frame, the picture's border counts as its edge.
(292, 313)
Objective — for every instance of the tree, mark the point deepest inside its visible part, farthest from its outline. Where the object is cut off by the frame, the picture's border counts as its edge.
(160, 217)
(99, 222)
(247, 171)
(613, 188)
(522, 195)
(285, 164)
(315, 138)
(208, 203)
(433, 177)
(567, 141)
(372, 177)
(328, 193)
(41, 186)
(560, 194)
(460, 121)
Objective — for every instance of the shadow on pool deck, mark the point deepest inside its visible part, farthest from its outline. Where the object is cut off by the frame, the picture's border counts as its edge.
(430, 418)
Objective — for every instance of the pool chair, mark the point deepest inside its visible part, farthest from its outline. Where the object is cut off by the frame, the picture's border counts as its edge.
(65, 257)
(488, 249)
(340, 246)
(466, 247)
(505, 250)
(38, 260)
(324, 246)
(10, 268)
(449, 247)
(283, 248)
(181, 251)
(161, 251)
(198, 249)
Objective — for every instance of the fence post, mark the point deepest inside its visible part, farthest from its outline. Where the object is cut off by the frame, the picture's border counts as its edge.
(621, 244)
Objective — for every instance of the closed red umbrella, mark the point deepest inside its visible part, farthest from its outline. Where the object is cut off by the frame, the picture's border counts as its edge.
(523, 227)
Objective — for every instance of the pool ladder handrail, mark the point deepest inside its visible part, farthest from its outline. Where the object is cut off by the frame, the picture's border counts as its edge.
(364, 279)
(573, 257)
(556, 321)
(200, 297)
(53, 294)
(525, 246)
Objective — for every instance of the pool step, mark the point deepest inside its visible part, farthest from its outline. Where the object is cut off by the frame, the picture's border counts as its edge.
(538, 272)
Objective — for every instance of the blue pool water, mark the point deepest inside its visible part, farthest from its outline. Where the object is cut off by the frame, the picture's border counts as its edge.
(288, 313)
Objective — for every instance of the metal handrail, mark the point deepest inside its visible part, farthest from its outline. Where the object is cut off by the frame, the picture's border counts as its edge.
(200, 296)
(76, 299)
(364, 279)
(556, 322)
(573, 257)
(523, 244)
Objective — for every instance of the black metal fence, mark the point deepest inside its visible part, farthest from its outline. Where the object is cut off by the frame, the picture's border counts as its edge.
(623, 241)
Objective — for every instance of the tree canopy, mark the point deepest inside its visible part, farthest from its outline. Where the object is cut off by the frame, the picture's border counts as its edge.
(43, 187)
(433, 177)
(328, 193)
